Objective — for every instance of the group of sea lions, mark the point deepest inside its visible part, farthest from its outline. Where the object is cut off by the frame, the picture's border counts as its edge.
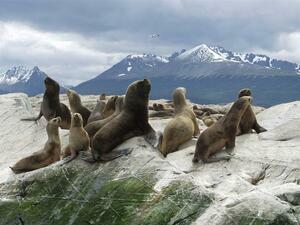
(119, 118)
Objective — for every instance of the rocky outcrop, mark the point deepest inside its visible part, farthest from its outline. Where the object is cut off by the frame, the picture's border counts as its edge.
(259, 185)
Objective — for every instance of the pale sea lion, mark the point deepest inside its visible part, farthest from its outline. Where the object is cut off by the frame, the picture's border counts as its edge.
(77, 107)
(78, 138)
(51, 106)
(93, 127)
(248, 121)
(182, 127)
(131, 122)
(222, 133)
(211, 119)
(48, 155)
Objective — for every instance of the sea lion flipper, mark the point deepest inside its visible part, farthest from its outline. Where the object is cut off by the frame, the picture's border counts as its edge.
(259, 129)
(219, 157)
(69, 158)
(115, 154)
(87, 157)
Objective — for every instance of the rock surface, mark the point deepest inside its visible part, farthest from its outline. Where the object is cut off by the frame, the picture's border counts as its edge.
(259, 185)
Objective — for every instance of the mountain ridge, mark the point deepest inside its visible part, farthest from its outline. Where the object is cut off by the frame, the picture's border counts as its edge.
(211, 74)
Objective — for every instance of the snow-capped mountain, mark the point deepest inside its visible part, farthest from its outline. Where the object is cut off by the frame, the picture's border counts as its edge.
(22, 79)
(211, 75)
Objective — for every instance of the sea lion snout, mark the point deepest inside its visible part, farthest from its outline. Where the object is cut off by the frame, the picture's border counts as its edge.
(77, 117)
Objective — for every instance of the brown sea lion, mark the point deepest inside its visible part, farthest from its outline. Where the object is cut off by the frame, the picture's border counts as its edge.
(78, 138)
(131, 122)
(96, 114)
(155, 107)
(77, 107)
(248, 120)
(102, 96)
(222, 133)
(48, 155)
(160, 114)
(182, 127)
(51, 106)
(93, 127)
(109, 107)
(199, 113)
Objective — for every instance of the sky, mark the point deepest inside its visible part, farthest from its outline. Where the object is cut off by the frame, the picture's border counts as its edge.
(75, 40)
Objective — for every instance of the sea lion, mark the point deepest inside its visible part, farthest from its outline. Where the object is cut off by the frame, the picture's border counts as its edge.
(155, 107)
(77, 107)
(94, 126)
(78, 139)
(199, 113)
(102, 96)
(161, 110)
(48, 155)
(248, 120)
(182, 127)
(96, 114)
(51, 106)
(131, 122)
(211, 119)
(109, 107)
(222, 133)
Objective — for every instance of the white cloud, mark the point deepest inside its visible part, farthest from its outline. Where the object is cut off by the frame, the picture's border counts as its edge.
(69, 58)
(286, 47)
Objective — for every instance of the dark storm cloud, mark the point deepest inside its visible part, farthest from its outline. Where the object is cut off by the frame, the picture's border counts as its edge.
(233, 23)
(125, 26)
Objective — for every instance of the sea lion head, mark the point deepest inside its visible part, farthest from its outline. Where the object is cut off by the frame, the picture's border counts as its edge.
(111, 104)
(137, 94)
(245, 92)
(53, 124)
(74, 98)
(179, 99)
(155, 107)
(102, 96)
(119, 103)
(161, 107)
(243, 102)
(51, 85)
(77, 120)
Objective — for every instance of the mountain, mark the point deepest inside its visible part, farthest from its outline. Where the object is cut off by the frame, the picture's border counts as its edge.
(210, 74)
(22, 79)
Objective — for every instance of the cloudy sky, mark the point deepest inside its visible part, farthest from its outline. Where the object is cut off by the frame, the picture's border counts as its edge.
(75, 40)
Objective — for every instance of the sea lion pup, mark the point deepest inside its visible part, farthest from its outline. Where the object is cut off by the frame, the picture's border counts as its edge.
(77, 107)
(93, 127)
(131, 122)
(51, 106)
(182, 127)
(48, 155)
(78, 139)
(96, 114)
(248, 120)
(222, 133)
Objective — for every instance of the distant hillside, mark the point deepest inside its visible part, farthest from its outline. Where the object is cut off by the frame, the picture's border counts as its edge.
(211, 74)
(22, 79)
